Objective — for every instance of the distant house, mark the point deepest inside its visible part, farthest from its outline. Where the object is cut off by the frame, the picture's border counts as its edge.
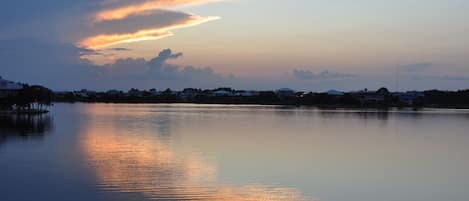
(84, 93)
(154, 92)
(247, 93)
(189, 93)
(114, 92)
(372, 97)
(285, 92)
(409, 98)
(135, 93)
(8, 88)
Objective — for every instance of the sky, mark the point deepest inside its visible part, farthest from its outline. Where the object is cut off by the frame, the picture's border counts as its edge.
(246, 44)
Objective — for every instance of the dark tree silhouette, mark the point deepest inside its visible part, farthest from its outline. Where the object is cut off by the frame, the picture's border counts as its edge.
(33, 98)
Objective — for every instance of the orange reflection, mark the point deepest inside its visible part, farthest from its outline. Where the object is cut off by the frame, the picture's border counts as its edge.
(105, 40)
(142, 8)
(127, 160)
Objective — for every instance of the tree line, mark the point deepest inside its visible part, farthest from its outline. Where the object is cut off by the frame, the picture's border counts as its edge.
(33, 97)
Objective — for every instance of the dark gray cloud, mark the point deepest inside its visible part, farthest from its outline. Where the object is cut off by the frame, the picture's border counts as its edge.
(310, 75)
(157, 69)
(158, 73)
(154, 19)
(120, 3)
(32, 48)
(38, 62)
(88, 52)
(73, 20)
(44, 19)
(163, 56)
(118, 49)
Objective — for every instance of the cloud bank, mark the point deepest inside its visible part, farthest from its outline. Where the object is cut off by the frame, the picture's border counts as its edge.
(157, 68)
(61, 67)
(326, 74)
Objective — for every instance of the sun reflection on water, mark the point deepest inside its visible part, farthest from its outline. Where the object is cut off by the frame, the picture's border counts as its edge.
(143, 162)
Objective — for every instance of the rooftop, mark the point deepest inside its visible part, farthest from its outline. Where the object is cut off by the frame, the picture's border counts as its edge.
(9, 85)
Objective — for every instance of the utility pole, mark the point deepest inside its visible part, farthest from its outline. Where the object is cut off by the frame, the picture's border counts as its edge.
(397, 78)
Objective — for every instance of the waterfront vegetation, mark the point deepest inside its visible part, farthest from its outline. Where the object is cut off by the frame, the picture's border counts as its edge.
(381, 98)
(22, 98)
(27, 100)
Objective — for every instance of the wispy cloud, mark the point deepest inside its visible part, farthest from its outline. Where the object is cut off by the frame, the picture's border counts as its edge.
(139, 21)
(119, 49)
(142, 8)
(310, 75)
(440, 77)
(106, 40)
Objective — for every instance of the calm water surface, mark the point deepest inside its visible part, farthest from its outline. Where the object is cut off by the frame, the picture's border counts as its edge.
(202, 152)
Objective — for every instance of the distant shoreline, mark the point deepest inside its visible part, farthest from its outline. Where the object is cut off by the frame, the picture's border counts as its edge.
(379, 99)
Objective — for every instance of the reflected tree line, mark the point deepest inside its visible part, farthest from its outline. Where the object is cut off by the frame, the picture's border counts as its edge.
(24, 126)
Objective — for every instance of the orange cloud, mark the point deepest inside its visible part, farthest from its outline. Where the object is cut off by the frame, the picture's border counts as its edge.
(142, 8)
(106, 40)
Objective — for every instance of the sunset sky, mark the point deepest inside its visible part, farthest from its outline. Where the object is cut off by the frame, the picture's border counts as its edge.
(248, 44)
